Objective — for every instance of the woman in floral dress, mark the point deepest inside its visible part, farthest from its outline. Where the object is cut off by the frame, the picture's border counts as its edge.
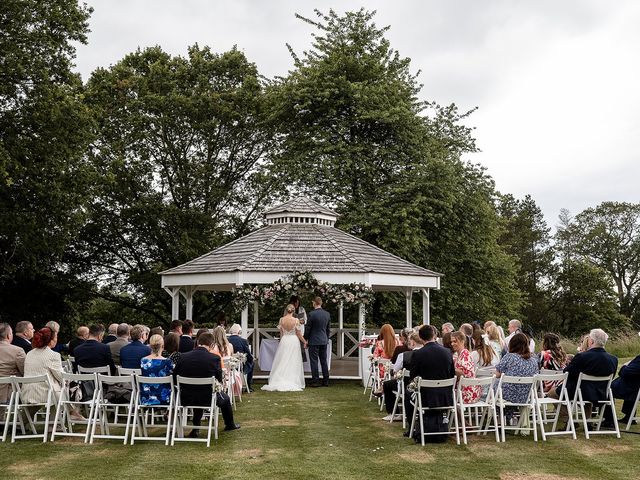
(519, 362)
(464, 366)
(155, 365)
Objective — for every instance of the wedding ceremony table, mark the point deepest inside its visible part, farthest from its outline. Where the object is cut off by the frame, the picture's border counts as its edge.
(268, 349)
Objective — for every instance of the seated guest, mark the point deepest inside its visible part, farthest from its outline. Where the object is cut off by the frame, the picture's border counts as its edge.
(131, 354)
(414, 342)
(467, 330)
(22, 335)
(626, 386)
(120, 342)
(54, 326)
(222, 347)
(515, 326)
(552, 357)
(431, 362)
(156, 331)
(11, 360)
(171, 345)
(155, 365)
(82, 333)
(464, 367)
(386, 345)
(221, 320)
(186, 342)
(496, 342)
(112, 334)
(176, 327)
(482, 355)
(240, 345)
(404, 343)
(447, 328)
(200, 332)
(595, 361)
(202, 363)
(446, 341)
(93, 353)
(518, 362)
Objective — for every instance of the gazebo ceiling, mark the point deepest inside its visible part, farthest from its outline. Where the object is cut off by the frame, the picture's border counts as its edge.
(299, 236)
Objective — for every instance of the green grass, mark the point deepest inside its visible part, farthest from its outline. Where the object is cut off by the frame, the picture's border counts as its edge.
(324, 433)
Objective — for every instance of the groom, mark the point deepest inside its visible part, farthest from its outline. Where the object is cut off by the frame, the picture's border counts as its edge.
(317, 335)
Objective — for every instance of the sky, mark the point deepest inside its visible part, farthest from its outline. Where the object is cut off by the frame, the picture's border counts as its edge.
(557, 84)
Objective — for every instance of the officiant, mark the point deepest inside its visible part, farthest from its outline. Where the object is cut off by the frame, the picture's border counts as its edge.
(299, 313)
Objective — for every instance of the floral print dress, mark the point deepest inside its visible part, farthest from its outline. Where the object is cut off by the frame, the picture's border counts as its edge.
(514, 365)
(462, 361)
(153, 394)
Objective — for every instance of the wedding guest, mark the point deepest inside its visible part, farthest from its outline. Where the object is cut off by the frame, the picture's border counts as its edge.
(54, 326)
(155, 365)
(464, 366)
(156, 331)
(584, 343)
(222, 347)
(496, 342)
(221, 320)
(482, 355)
(171, 346)
(132, 354)
(22, 335)
(552, 357)
(200, 332)
(446, 341)
(447, 328)
(186, 342)
(241, 345)
(82, 333)
(176, 327)
(112, 334)
(93, 353)
(122, 341)
(626, 386)
(467, 330)
(11, 360)
(386, 345)
(518, 362)
(403, 361)
(203, 363)
(404, 343)
(515, 326)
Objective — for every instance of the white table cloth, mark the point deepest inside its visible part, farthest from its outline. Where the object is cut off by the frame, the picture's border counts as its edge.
(268, 349)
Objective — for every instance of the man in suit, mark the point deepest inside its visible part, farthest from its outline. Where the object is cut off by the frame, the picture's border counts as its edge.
(22, 336)
(134, 352)
(186, 341)
(317, 335)
(240, 345)
(11, 360)
(431, 362)
(82, 333)
(93, 353)
(120, 342)
(112, 334)
(626, 386)
(202, 363)
(404, 360)
(597, 362)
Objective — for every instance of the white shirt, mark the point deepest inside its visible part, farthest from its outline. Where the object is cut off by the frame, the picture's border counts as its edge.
(532, 343)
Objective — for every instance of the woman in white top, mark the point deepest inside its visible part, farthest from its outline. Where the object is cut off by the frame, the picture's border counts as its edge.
(483, 356)
(41, 360)
(495, 339)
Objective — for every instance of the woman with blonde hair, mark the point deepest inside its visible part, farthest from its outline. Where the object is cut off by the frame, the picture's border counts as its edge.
(496, 342)
(222, 347)
(155, 365)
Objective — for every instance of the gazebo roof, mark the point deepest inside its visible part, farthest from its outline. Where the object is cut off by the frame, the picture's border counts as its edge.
(299, 236)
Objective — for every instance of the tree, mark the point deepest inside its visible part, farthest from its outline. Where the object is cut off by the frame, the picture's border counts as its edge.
(608, 237)
(44, 131)
(526, 238)
(180, 166)
(356, 135)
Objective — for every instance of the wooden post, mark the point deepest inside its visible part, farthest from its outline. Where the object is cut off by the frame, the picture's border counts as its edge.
(426, 314)
(244, 320)
(175, 303)
(408, 306)
(256, 333)
(361, 333)
(340, 330)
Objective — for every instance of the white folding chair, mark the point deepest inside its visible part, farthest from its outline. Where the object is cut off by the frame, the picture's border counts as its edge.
(101, 370)
(67, 366)
(104, 405)
(399, 402)
(7, 407)
(527, 416)
(633, 416)
(579, 403)
(544, 402)
(485, 405)
(128, 371)
(63, 418)
(420, 409)
(19, 408)
(141, 409)
(182, 412)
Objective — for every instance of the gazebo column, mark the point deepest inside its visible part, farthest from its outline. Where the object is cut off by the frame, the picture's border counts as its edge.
(340, 330)
(256, 333)
(175, 302)
(409, 306)
(188, 296)
(426, 314)
(361, 333)
(244, 320)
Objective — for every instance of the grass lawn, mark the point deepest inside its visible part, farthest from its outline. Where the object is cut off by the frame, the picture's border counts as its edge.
(325, 433)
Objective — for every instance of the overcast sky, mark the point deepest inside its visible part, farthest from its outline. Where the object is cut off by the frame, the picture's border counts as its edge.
(557, 83)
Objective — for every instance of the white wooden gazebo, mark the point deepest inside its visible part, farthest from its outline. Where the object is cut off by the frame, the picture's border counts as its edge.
(299, 235)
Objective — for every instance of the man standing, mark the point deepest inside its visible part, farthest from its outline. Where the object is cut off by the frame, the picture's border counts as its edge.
(23, 335)
(317, 335)
(81, 336)
(121, 341)
(112, 334)
(202, 363)
(11, 359)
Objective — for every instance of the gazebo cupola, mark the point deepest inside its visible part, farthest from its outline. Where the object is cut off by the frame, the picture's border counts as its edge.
(301, 211)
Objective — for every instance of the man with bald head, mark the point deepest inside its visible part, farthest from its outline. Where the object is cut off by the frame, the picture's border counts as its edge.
(82, 333)
(112, 334)
(22, 335)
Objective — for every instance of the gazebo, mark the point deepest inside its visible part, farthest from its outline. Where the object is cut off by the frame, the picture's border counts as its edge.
(299, 235)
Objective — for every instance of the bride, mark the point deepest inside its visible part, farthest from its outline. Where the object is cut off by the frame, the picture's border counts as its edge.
(287, 373)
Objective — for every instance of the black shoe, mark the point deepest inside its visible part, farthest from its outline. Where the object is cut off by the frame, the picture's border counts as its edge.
(608, 425)
(314, 384)
(194, 434)
(325, 384)
(626, 419)
(405, 434)
(228, 428)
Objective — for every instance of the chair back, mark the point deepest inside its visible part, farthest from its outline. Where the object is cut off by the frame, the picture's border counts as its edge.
(447, 382)
(17, 381)
(7, 380)
(518, 380)
(129, 371)
(105, 370)
(195, 381)
(548, 371)
(485, 372)
(475, 382)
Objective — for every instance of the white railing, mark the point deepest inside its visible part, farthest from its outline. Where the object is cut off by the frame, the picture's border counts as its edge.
(346, 339)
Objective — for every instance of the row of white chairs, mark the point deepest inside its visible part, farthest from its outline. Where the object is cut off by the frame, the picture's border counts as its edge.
(489, 413)
(98, 408)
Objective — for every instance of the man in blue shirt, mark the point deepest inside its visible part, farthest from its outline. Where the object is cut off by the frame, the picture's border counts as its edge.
(132, 354)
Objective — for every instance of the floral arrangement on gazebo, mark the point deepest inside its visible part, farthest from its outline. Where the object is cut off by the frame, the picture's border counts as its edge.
(281, 290)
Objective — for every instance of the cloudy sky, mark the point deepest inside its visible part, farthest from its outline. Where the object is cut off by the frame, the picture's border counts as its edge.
(557, 83)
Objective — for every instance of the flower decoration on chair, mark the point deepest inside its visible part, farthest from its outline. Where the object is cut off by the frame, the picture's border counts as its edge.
(280, 291)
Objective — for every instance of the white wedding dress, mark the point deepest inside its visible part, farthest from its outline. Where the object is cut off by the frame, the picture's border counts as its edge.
(287, 373)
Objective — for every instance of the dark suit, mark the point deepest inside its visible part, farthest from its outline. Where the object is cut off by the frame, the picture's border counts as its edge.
(186, 343)
(432, 362)
(109, 339)
(74, 343)
(240, 345)
(92, 354)
(200, 363)
(133, 353)
(627, 384)
(317, 331)
(389, 386)
(596, 362)
(23, 343)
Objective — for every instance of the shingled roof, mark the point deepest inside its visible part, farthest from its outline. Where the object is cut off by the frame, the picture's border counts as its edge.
(301, 205)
